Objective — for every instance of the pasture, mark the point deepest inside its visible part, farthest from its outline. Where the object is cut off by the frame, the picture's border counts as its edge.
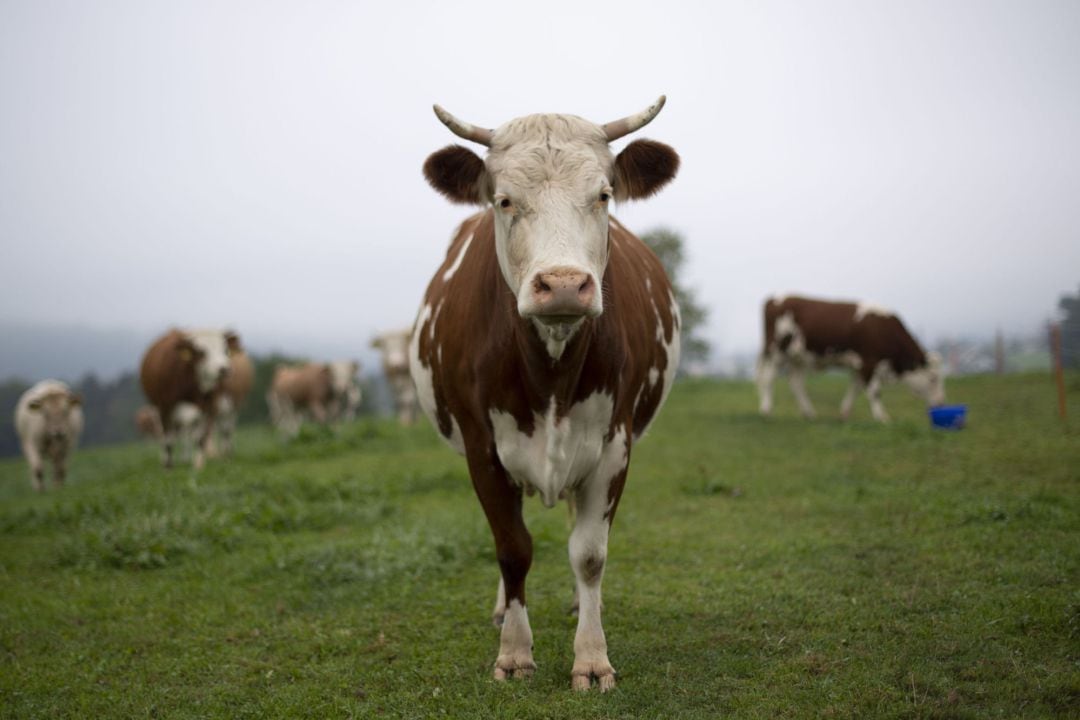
(758, 568)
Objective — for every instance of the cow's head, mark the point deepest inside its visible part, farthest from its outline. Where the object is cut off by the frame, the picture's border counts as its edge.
(55, 409)
(395, 350)
(551, 179)
(928, 381)
(207, 352)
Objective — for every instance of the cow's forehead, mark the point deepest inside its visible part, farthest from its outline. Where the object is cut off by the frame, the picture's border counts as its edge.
(536, 149)
(208, 340)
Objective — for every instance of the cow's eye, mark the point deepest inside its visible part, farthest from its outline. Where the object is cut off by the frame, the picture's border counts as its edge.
(504, 202)
(605, 196)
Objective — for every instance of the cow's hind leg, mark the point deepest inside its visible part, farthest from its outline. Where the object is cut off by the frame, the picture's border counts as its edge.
(501, 501)
(594, 503)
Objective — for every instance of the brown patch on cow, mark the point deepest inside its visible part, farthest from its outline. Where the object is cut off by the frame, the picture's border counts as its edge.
(241, 376)
(643, 168)
(458, 173)
(592, 568)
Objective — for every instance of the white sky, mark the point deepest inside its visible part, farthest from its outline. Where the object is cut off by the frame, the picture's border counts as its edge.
(257, 164)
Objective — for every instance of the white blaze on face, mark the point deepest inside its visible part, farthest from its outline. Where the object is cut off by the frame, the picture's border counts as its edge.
(395, 349)
(550, 177)
(213, 361)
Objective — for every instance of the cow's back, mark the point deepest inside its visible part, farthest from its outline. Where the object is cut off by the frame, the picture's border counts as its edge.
(241, 377)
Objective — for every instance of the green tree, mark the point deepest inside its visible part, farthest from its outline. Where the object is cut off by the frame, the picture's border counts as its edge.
(1070, 329)
(668, 246)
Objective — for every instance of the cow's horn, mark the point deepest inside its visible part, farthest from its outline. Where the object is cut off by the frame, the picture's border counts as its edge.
(463, 129)
(625, 126)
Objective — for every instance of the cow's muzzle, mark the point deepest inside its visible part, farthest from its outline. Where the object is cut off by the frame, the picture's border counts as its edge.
(562, 295)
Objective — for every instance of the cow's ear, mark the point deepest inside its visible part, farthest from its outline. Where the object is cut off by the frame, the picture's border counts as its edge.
(643, 168)
(186, 351)
(74, 399)
(459, 174)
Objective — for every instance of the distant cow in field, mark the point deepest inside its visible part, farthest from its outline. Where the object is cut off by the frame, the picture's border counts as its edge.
(802, 334)
(546, 343)
(187, 366)
(48, 420)
(346, 388)
(394, 348)
(297, 390)
(148, 422)
(234, 391)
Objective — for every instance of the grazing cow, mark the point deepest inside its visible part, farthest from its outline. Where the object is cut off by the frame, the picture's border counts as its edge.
(803, 334)
(235, 389)
(546, 343)
(187, 366)
(394, 347)
(299, 388)
(345, 383)
(48, 420)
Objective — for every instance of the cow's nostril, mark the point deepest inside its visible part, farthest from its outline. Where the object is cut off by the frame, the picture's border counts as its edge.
(586, 286)
(541, 286)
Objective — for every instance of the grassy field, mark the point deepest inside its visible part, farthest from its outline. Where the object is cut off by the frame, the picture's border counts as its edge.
(758, 569)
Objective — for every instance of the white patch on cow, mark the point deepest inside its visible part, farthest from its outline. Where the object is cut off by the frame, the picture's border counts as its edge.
(648, 283)
(928, 382)
(215, 356)
(425, 385)
(435, 318)
(561, 452)
(457, 261)
(671, 352)
(654, 375)
(863, 309)
(515, 643)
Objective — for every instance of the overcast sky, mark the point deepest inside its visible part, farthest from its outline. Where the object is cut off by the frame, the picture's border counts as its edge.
(257, 164)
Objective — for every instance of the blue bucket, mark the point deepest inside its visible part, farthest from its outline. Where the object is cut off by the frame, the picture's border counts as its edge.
(948, 417)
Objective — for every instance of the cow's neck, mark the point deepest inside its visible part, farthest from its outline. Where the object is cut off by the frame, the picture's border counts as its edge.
(549, 377)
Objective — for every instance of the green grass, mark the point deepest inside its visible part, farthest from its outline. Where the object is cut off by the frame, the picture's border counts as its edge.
(758, 568)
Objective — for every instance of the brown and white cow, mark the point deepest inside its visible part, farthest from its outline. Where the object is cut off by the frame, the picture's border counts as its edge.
(804, 334)
(48, 420)
(394, 347)
(345, 382)
(300, 389)
(546, 343)
(187, 366)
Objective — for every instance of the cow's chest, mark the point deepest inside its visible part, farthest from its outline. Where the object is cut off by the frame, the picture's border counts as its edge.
(560, 453)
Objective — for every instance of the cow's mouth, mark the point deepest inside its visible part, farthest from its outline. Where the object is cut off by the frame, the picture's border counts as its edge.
(556, 320)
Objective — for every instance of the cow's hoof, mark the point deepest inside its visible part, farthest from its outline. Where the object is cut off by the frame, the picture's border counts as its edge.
(510, 666)
(583, 681)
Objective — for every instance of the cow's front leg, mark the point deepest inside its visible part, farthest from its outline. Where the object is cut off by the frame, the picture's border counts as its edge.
(797, 381)
(849, 397)
(501, 501)
(594, 503)
(37, 467)
(765, 376)
(877, 409)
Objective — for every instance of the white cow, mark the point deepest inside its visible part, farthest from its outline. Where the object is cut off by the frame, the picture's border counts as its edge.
(394, 346)
(49, 420)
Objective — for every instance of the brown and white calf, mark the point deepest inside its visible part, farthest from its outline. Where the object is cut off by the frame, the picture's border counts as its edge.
(297, 390)
(804, 334)
(546, 343)
(393, 345)
(187, 366)
(48, 420)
